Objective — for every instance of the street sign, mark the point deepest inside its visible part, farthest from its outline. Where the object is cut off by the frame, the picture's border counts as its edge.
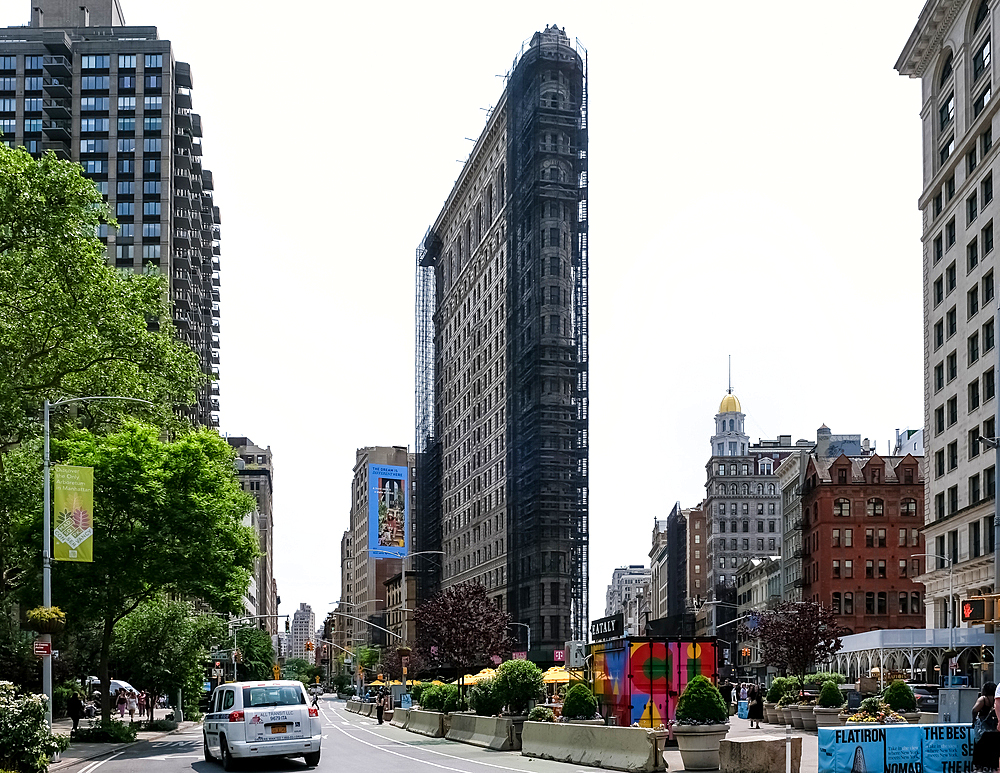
(43, 649)
(405, 660)
(216, 673)
(519, 655)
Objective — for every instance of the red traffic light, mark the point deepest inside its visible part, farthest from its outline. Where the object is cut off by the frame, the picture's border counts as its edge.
(218, 664)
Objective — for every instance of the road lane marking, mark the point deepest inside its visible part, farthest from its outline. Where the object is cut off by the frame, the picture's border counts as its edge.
(96, 765)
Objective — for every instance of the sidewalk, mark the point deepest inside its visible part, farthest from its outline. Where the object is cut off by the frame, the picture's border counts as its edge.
(740, 728)
(81, 752)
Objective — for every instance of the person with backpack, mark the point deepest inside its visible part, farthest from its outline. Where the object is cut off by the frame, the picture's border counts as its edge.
(986, 739)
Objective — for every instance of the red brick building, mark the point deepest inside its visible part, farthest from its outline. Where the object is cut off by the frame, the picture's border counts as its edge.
(862, 541)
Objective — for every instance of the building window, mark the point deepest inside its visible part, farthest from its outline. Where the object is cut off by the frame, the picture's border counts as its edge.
(882, 597)
(938, 334)
(842, 507)
(836, 569)
(973, 395)
(953, 503)
(987, 234)
(908, 507)
(870, 601)
(835, 604)
(848, 568)
(902, 538)
(952, 321)
(881, 568)
(939, 463)
(988, 335)
(938, 248)
(869, 538)
(971, 260)
(952, 410)
(989, 385)
(987, 184)
(952, 455)
(876, 506)
(848, 603)
(947, 148)
(938, 377)
(946, 112)
(981, 60)
(974, 493)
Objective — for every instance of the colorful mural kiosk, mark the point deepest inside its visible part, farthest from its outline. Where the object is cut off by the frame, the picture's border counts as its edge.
(639, 679)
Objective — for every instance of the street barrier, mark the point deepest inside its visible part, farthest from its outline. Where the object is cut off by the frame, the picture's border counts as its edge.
(400, 718)
(430, 723)
(495, 733)
(368, 710)
(354, 706)
(618, 748)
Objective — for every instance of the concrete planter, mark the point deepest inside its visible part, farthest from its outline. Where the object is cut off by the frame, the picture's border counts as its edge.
(796, 715)
(699, 745)
(843, 718)
(617, 748)
(770, 713)
(808, 717)
(913, 717)
(826, 717)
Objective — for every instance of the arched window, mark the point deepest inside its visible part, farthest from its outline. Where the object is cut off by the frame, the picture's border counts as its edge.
(746, 489)
(770, 489)
(876, 506)
(908, 507)
(731, 425)
(760, 489)
(746, 526)
(842, 507)
(732, 527)
(982, 14)
(732, 489)
(947, 68)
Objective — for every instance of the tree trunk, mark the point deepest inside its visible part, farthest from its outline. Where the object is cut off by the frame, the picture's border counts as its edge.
(109, 630)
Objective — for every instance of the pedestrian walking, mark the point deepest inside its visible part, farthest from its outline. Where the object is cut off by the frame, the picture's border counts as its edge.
(756, 709)
(133, 705)
(380, 707)
(142, 703)
(150, 703)
(121, 702)
(743, 692)
(75, 710)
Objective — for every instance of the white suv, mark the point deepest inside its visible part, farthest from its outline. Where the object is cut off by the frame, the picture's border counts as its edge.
(247, 720)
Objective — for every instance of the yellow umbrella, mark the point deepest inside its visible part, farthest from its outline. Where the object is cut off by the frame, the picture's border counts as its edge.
(395, 681)
(437, 682)
(555, 675)
(376, 683)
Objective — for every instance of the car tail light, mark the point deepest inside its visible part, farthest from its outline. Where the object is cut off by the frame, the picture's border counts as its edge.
(313, 712)
(236, 716)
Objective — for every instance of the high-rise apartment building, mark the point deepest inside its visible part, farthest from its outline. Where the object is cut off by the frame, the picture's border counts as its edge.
(81, 84)
(303, 628)
(255, 470)
(502, 355)
(950, 51)
(627, 582)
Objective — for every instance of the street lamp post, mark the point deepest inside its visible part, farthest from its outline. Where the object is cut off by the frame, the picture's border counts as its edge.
(527, 655)
(388, 554)
(46, 537)
(949, 618)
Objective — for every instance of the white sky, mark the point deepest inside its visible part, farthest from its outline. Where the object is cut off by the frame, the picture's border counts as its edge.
(754, 172)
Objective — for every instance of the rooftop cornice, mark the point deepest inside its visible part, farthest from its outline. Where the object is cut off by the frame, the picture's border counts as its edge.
(934, 21)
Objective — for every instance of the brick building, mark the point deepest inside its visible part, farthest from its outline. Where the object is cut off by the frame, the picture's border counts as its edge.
(862, 545)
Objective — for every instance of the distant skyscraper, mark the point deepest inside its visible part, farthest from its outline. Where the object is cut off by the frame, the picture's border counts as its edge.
(303, 630)
(502, 356)
(79, 83)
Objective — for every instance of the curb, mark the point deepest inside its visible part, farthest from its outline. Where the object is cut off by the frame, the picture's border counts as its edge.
(65, 763)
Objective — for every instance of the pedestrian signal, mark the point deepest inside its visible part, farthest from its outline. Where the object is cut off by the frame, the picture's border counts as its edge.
(973, 609)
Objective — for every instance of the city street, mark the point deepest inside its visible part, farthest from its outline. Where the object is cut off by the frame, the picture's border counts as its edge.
(350, 743)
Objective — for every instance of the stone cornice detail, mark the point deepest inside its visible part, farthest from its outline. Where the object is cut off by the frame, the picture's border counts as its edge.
(924, 42)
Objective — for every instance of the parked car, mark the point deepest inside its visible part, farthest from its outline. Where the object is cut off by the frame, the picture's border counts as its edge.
(927, 697)
(249, 720)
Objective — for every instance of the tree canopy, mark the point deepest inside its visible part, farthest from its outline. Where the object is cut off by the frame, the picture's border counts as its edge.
(795, 636)
(168, 517)
(461, 627)
(69, 323)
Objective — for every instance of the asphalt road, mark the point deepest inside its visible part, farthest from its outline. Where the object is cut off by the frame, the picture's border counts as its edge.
(350, 743)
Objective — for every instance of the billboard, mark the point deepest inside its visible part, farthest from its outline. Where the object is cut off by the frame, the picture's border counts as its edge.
(388, 511)
(73, 496)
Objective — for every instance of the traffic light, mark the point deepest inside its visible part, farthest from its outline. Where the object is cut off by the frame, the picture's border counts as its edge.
(981, 609)
(238, 656)
(287, 626)
(745, 652)
(218, 664)
(310, 646)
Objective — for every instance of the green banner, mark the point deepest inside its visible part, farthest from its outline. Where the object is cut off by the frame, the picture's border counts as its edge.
(73, 498)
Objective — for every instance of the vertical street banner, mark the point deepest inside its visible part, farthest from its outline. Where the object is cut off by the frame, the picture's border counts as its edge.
(388, 511)
(73, 498)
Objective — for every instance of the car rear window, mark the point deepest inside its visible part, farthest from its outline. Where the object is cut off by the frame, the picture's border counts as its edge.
(272, 696)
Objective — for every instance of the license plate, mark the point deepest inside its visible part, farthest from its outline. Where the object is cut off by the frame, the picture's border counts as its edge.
(276, 729)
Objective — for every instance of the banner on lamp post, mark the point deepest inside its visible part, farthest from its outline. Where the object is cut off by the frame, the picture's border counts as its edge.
(73, 498)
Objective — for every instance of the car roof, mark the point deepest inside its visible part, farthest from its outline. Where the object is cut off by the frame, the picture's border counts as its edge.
(268, 683)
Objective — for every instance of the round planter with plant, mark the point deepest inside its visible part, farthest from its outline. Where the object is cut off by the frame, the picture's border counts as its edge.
(900, 698)
(702, 723)
(580, 703)
(876, 711)
(826, 712)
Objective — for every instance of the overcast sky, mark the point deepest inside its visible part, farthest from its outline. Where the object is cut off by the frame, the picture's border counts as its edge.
(754, 173)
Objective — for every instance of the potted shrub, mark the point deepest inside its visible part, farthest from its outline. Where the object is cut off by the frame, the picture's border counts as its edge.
(785, 703)
(541, 714)
(826, 712)
(580, 705)
(805, 709)
(774, 693)
(899, 696)
(46, 619)
(876, 711)
(702, 722)
(485, 699)
(519, 683)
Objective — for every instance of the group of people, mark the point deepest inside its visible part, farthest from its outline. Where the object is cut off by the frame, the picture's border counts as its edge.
(132, 701)
(751, 693)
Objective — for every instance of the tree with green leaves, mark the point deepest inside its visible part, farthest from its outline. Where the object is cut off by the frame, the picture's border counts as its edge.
(164, 646)
(257, 654)
(168, 518)
(71, 325)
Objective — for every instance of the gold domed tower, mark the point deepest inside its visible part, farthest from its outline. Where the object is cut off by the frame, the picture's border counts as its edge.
(729, 438)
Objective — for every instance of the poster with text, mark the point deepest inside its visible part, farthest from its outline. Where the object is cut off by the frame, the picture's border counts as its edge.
(73, 526)
(865, 748)
(947, 748)
(388, 511)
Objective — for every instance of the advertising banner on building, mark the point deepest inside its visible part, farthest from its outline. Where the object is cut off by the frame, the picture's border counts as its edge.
(866, 748)
(73, 499)
(388, 511)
